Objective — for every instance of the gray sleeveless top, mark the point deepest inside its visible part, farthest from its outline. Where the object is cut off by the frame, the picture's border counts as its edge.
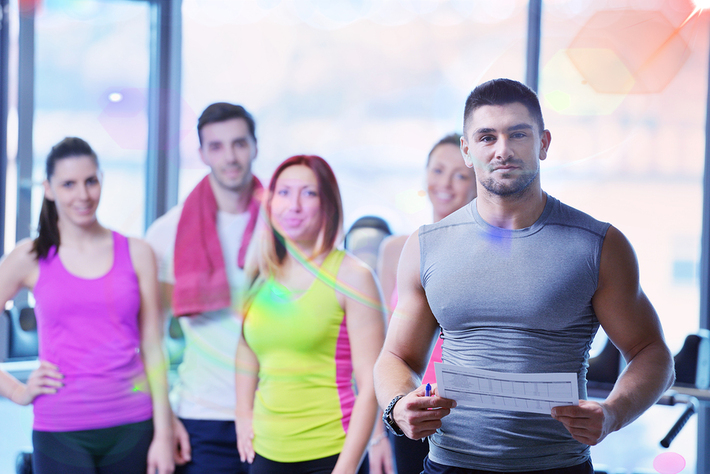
(512, 301)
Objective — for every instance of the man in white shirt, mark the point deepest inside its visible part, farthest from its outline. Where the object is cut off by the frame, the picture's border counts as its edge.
(204, 396)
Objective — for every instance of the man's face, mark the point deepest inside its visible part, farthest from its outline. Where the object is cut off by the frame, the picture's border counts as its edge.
(505, 147)
(229, 149)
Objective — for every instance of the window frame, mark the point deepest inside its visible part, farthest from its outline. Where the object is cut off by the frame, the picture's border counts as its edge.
(4, 110)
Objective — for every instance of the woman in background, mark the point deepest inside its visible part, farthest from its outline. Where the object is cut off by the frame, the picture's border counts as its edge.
(312, 320)
(100, 392)
(450, 186)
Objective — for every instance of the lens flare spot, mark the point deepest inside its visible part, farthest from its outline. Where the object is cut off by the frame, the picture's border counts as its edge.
(140, 385)
(629, 51)
(669, 463)
(410, 201)
(558, 100)
(603, 68)
(566, 91)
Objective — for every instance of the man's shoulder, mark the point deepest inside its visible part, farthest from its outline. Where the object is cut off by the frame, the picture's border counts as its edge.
(565, 214)
(164, 228)
(459, 217)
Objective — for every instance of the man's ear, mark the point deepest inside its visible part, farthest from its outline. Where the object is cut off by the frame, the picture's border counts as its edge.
(465, 153)
(545, 140)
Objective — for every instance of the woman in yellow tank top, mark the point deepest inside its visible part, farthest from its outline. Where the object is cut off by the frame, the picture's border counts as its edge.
(313, 327)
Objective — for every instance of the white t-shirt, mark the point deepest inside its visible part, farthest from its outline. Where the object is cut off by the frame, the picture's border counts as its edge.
(205, 387)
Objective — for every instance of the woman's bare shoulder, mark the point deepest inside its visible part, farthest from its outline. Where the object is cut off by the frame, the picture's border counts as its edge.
(20, 264)
(142, 256)
(355, 271)
(393, 245)
(23, 253)
(140, 247)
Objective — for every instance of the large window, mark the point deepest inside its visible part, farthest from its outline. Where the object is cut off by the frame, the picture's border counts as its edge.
(623, 91)
(370, 86)
(91, 80)
(88, 78)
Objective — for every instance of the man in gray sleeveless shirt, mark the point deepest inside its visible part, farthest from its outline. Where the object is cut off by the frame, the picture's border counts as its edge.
(518, 282)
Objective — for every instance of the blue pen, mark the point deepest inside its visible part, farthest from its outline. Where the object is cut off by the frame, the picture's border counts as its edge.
(427, 392)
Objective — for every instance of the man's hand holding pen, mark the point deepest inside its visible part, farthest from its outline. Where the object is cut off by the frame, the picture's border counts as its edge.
(419, 415)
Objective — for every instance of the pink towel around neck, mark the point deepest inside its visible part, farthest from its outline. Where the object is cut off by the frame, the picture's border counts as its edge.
(200, 275)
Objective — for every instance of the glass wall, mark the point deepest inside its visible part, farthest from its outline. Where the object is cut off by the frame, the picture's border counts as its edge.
(369, 85)
(623, 86)
(91, 80)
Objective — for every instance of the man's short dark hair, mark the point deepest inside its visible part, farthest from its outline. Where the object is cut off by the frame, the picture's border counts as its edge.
(503, 92)
(223, 111)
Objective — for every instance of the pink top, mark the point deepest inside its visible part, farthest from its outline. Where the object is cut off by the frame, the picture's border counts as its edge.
(430, 374)
(89, 329)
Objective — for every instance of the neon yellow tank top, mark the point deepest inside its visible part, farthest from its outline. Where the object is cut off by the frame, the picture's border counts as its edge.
(305, 395)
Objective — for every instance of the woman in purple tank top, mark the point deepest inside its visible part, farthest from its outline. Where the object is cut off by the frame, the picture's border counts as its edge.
(100, 393)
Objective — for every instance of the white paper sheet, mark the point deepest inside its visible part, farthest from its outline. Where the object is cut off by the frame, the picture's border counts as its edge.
(533, 393)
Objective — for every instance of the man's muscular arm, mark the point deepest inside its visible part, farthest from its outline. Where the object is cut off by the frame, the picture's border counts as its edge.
(632, 324)
(403, 359)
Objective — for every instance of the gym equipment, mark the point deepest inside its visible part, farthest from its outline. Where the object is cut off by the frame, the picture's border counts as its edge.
(692, 366)
(18, 334)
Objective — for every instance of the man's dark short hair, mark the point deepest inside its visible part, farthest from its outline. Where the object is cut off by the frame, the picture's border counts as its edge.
(503, 92)
(223, 111)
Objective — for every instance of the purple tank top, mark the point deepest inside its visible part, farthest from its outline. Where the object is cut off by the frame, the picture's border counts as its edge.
(89, 329)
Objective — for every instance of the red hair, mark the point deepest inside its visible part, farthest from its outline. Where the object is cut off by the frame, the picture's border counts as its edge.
(273, 250)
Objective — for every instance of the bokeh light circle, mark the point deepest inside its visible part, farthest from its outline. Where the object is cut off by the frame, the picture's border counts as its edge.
(669, 463)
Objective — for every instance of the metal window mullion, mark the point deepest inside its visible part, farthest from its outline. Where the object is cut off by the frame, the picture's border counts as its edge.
(4, 97)
(532, 59)
(163, 159)
(25, 147)
(703, 462)
(25, 115)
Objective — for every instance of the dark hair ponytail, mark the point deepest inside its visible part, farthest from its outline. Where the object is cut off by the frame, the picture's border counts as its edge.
(48, 229)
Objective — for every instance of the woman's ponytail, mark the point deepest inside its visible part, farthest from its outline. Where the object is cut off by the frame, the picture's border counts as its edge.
(48, 229)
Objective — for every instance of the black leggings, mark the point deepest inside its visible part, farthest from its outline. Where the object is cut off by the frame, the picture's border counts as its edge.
(261, 465)
(409, 454)
(117, 450)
